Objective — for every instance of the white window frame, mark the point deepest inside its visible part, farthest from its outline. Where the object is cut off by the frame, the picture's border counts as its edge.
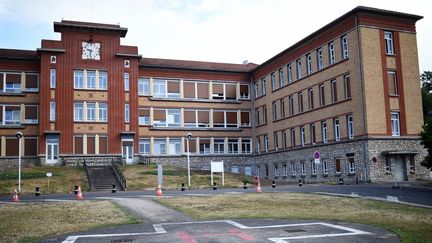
(266, 143)
(103, 80)
(91, 79)
(293, 168)
(350, 126)
(325, 167)
(143, 86)
(320, 63)
(91, 111)
(242, 95)
(233, 145)
(15, 116)
(351, 166)
(347, 86)
(299, 69)
(159, 147)
(205, 146)
(219, 145)
(103, 112)
(395, 124)
(31, 121)
(314, 168)
(126, 113)
(331, 53)
(310, 99)
(246, 146)
(281, 78)
(284, 169)
(144, 146)
(303, 167)
(126, 82)
(256, 89)
(344, 43)
(263, 87)
(273, 80)
(53, 78)
(309, 64)
(302, 136)
(289, 73)
(324, 131)
(276, 170)
(389, 43)
(52, 111)
(276, 141)
(78, 79)
(78, 111)
(175, 146)
(337, 134)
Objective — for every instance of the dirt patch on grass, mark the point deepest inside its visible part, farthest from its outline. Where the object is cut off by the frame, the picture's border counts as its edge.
(31, 221)
(411, 223)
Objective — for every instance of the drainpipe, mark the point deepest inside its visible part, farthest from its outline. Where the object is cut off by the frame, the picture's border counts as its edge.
(359, 60)
(252, 91)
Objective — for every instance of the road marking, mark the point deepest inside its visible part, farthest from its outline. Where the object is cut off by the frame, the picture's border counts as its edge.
(354, 194)
(392, 199)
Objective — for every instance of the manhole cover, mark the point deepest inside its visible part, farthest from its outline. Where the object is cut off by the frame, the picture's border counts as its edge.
(295, 230)
(122, 240)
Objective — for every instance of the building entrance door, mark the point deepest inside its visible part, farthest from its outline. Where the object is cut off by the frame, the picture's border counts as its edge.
(52, 151)
(127, 151)
(400, 168)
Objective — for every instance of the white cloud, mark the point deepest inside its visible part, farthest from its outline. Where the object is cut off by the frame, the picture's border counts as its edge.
(212, 30)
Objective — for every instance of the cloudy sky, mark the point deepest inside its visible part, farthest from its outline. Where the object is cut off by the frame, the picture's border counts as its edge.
(207, 30)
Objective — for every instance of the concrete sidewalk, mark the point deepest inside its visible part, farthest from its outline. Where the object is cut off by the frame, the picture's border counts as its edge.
(150, 211)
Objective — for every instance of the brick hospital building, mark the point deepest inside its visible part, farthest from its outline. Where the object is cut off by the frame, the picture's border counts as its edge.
(350, 91)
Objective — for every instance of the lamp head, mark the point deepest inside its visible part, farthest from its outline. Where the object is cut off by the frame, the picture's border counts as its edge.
(19, 135)
(189, 135)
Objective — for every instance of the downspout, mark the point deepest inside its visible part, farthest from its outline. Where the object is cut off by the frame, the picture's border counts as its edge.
(252, 90)
(362, 84)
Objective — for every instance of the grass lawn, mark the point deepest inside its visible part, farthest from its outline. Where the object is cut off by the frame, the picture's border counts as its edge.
(144, 177)
(412, 224)
(63, 179)
(33, 221)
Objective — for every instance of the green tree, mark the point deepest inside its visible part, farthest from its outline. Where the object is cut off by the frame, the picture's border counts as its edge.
(426, 141)
(426, 82)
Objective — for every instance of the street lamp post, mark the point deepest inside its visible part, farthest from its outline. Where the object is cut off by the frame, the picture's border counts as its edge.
(19, 135)
(189, 136)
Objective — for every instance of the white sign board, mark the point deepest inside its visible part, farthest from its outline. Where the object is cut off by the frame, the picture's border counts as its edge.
(49, 174)
(217, 167)
(317, 161)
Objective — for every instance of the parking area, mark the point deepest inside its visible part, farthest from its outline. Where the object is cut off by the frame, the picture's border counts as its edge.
(243, 231)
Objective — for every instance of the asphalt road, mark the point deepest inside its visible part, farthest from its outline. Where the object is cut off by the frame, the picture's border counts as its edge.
(421, 196)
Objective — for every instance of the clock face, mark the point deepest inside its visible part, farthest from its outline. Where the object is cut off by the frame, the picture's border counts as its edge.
(91, 50)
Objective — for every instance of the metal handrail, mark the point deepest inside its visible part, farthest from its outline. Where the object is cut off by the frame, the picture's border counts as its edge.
(87, 174)
(119, 175)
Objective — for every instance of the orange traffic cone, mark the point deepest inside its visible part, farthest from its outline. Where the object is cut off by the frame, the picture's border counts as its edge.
(79, 195)
(159, 191)
(15, 196)
(259, 187)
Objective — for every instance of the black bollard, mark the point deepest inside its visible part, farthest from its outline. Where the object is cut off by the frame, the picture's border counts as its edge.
(273, 184)
(300, 183)
(245, 185)
(214, 186)
(114, 190)
(183, 187)
(341, 182)
(357, 180)
(37, 193)
(76, 190)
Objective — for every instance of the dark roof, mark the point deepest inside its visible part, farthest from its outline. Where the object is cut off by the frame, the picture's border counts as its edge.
(18, 54)
(359, 9)
(196, 65)
(87, 26)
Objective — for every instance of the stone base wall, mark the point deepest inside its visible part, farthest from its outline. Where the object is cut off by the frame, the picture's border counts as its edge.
(12, 163)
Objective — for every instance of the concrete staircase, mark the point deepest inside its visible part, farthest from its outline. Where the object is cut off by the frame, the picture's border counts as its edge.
(101, 178)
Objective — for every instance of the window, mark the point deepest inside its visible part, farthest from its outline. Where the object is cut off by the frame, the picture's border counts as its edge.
(103, 112)
(144, 86)
(411, 164)
(159, 146)
(266, 143)
(303, 167)
(324, 131)
(31, 82)
(299, 69)
(263, 86)
(293, 138)
(192, 146)
(244, 92)
(392, 83)
(173, 117)
(257, 116)
(334, 91)
(282, 108)
(12, 115)
(127, 113)
(276, 140)
(273, 81)
(388, 165)
(103, 80)
(290, 105)
(204, 146)
(331, 51)
(289, 75)
(281, 78)
(234, 169)
(144, 146)
(31, 114)
(52, 111)
(274, 111)
(325, 167)
(91, 80)
(265, 114)
(196, 118)
(30, 146)
(321, 95)
(10, 82)
(347, 87)
(12, 146)
(256, 89)
(126, 81)
(233, 146)
(284, 170)
(388, 38)
(245, 118)
(224, 91)
(246, 146)
(336, 129)
(248, 171)
(159, 88)
(300, 102)
(224, 118)
(143, 116)
(344, 43)
(313, 168)
(350, 126)
(351, 165)
(320, 64)
(78, 111)
(174, 146)
(309, 63)
(91, 144)
(395, 123)
(90, 111)
(219, 146)
(53, 78)
(312, 133)
(284, 139)
(276, 170)
(310, 99)
(302, 136)
(338, 169)
(293, 168)
(78, 79)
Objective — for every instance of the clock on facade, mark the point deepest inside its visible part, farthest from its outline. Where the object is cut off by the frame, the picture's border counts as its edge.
(91, 50)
